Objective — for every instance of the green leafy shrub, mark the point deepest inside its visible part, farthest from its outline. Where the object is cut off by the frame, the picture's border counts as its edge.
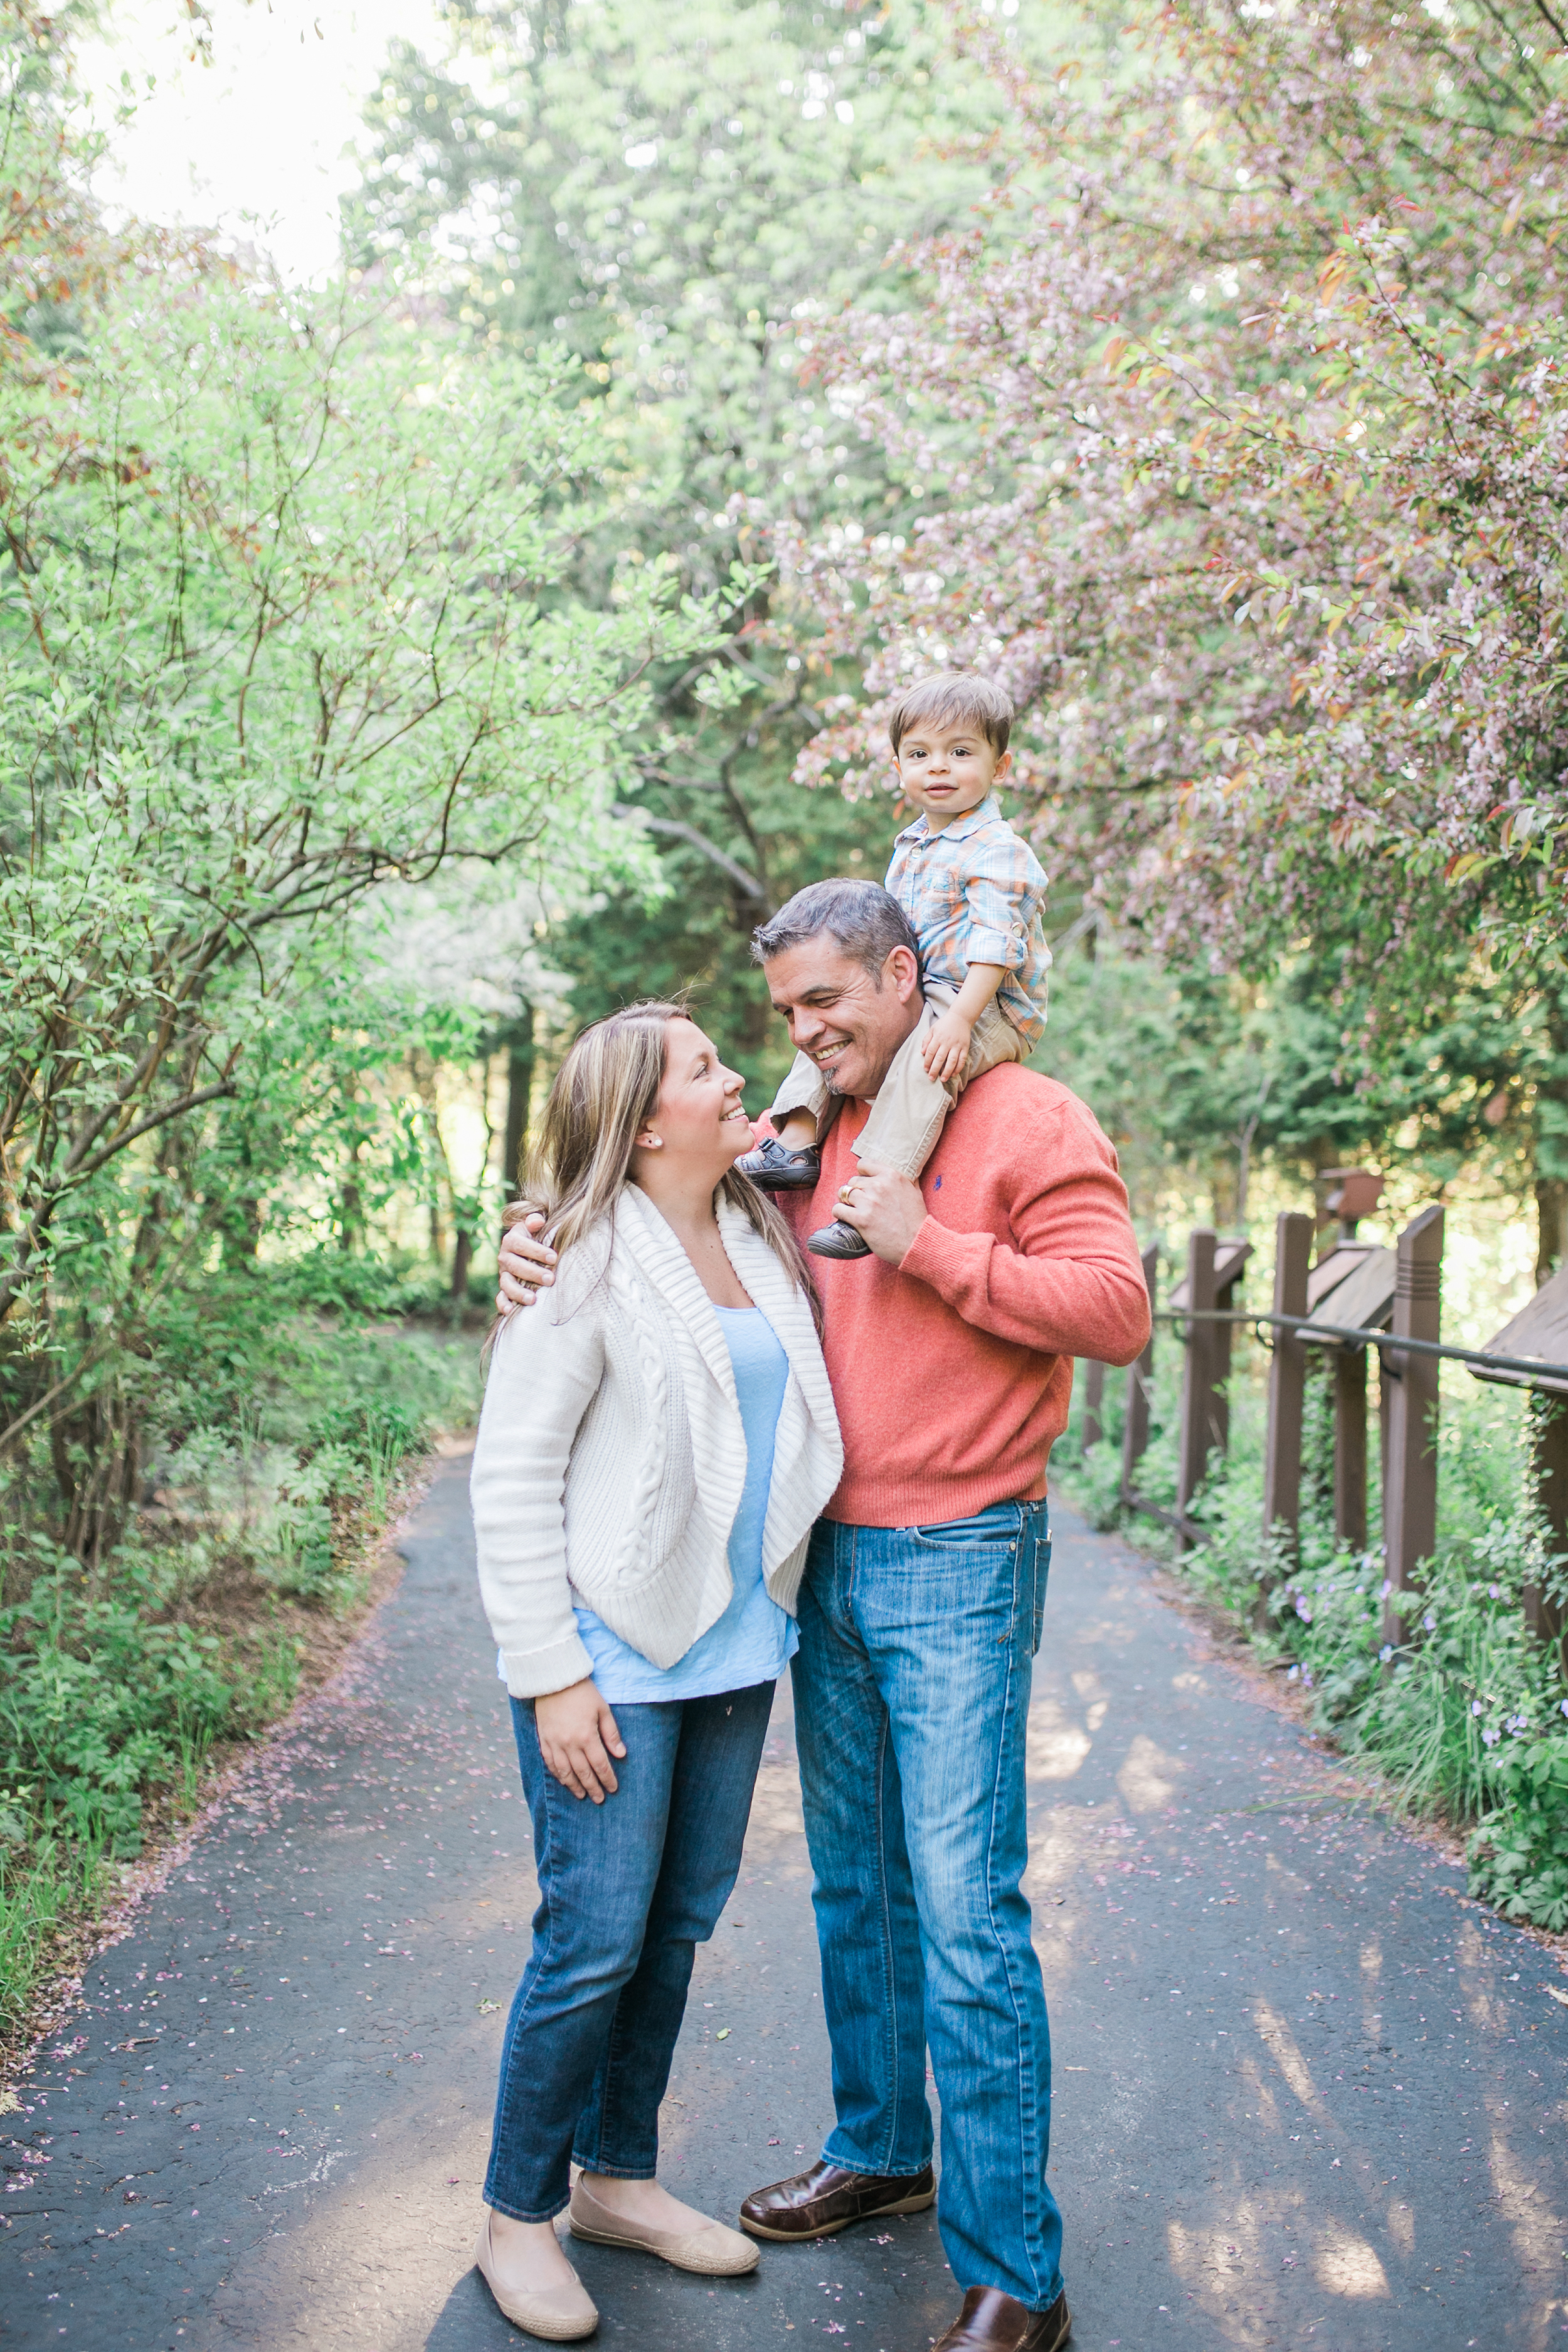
(274, 1435)
(1096, 1485)
(1518, 1855)
(355, 1434)
(1092, 1475)
(307, 1529)
(372, 1433)
(98, 1705)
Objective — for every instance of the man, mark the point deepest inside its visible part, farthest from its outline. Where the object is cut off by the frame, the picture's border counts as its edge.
(950, 1351)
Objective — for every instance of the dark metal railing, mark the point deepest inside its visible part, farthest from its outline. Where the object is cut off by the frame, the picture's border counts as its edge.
(1405, 1458)
(1531, 1367)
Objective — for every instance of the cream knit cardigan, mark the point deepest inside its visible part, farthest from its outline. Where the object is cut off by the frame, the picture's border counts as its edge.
(611, 1454)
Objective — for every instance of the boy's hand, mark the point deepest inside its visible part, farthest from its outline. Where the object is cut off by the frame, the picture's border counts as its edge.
(946, 1049)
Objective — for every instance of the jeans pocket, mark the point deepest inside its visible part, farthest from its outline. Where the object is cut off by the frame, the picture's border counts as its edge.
(990, 1530)
(1042, 1551)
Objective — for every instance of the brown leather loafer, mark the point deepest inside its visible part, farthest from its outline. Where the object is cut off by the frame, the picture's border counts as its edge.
(821, 2202)
(993, 2322)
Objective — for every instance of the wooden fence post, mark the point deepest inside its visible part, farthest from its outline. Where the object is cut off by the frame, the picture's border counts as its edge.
(1350, 1447)
(1410, 1488)
(1287, 1375)
(1199, 1433)
(1222, 1333)
(1139, 1389)
(1355, 1287)
(1093, 1398)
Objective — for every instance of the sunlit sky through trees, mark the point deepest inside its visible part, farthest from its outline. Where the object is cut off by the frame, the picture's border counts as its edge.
(263, 134)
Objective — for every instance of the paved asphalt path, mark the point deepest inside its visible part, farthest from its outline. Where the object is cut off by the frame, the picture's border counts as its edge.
(1335, 2121)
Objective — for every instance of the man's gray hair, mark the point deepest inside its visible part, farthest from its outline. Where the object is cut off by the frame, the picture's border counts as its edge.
(863, 919)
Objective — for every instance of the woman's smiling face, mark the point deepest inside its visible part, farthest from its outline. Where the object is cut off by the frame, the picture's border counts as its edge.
(697, 1119)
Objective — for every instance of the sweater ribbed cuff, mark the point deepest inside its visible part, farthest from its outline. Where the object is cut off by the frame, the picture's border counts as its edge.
(534, 1674)
(948, 1261)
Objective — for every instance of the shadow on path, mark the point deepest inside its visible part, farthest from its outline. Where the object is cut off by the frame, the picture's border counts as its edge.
(1338, 2120)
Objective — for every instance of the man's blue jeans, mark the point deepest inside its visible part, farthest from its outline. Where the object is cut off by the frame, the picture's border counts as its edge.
(912, 1697)
(627, 1891)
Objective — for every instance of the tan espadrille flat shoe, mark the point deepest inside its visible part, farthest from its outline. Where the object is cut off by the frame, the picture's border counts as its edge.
(561, 2314)
(714, 2252)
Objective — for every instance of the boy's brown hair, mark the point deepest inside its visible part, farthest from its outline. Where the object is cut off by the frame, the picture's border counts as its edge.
(954, 698)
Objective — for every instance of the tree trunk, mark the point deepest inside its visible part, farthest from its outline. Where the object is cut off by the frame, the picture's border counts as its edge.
(350, 1200)
(241, 1227)
(97, 1458)
(1550, 1226)
(423, 1070)
(351, 1212)
(520, 1057)
(1552, 1145)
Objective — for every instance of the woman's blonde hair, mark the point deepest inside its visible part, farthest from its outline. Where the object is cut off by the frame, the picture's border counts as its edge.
(605, 1091)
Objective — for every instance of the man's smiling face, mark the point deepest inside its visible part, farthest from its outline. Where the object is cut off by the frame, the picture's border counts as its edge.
(849, 1021)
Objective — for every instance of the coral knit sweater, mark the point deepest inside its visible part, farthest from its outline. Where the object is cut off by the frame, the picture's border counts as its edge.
(952, 1371)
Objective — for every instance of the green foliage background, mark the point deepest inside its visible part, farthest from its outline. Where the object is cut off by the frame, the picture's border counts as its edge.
(393, 678)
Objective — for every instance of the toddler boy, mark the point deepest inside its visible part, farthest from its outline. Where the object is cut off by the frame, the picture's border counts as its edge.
(974, 890)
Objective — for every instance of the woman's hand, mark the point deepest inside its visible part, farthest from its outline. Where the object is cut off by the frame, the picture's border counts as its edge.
(575, 1731)
(526, 1262)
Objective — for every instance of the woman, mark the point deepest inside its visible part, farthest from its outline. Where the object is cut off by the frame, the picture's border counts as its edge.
(656, 1442)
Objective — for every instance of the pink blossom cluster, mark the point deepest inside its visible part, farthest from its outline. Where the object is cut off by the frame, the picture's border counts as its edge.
(1234, 430)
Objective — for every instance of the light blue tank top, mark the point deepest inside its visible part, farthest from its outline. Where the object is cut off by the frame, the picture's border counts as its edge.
(754, 1640)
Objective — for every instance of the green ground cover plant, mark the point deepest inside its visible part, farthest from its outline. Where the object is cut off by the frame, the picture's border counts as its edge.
(1467, 1719)
(278, 1437)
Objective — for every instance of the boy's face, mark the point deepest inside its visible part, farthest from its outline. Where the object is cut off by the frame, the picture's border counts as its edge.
(948, 770)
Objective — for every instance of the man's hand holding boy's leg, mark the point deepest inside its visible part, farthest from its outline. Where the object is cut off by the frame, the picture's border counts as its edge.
(886, 1209)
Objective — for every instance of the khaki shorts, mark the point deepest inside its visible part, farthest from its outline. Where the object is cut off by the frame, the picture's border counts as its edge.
(908, 1113)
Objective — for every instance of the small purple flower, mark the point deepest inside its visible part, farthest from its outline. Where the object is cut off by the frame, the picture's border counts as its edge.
(1475, 1706)
(1430, 1622)
(1387, 1587)
(1386, 1652)
(1494, 1592)
(1491, 1738)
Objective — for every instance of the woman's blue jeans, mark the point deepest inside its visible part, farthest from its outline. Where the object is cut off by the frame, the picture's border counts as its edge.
(912, 1697)
(627, 1891)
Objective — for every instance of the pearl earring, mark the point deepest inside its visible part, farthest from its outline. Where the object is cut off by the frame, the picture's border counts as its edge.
(650, 1143)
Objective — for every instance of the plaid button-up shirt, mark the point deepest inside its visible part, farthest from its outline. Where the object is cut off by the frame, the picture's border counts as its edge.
(974, 892)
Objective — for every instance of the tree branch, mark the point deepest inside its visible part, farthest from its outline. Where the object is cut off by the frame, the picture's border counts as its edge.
(673, 827)
(222, 1087)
